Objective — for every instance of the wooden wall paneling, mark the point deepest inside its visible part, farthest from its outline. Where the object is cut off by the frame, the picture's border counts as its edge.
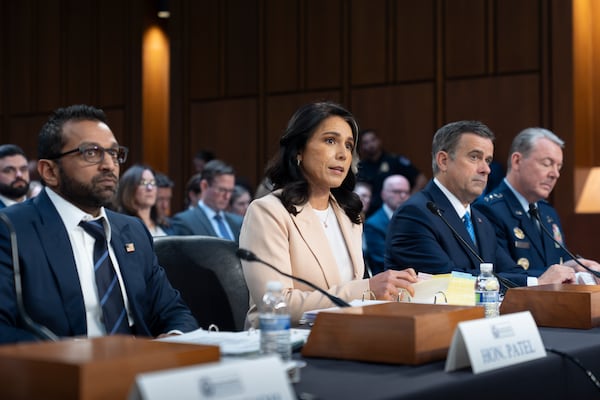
(241, 63)
(23, 131)
(114, 40)
(47, 64)
(204, 48)
(279, 110)
(465, 37)
(228, 127)
(117, 124)
(518, 35)
(368, 42)
(20, 41)
(506, 104)
(595, 83)
(415, 40)
(323, 46)
(282, 46)
(80, 32)
(402, 116)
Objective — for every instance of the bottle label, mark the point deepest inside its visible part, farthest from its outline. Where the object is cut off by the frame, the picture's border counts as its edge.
(275, 322)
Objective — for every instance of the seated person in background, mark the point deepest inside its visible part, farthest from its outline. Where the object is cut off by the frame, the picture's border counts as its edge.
(376, 164)
(67, 228)
(209, 218)
(364, 192)
(396, 190)
(192, 191)
(534, 164)
(14, 175)
(310, 226)
(164, 195)
(419, 238)
(136, 196)
(240, 200)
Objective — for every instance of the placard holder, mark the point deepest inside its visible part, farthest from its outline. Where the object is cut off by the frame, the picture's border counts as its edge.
(85, 369)
(395, 333)
(556, 305)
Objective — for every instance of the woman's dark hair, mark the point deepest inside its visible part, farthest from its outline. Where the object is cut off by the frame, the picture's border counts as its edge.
(285, 173)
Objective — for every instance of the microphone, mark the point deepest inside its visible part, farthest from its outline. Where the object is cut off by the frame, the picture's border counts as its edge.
(534, 212)
(435, 210)
(250, 256)
(39, 330)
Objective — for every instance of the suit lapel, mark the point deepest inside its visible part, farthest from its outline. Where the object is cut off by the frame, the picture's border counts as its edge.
(57, 246)
(203, 221)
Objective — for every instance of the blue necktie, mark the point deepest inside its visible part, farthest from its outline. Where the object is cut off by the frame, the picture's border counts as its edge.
(222, 228)
(109, 290)
(469, 225)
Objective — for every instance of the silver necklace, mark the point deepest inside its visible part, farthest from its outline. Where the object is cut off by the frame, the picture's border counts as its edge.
(324, 221)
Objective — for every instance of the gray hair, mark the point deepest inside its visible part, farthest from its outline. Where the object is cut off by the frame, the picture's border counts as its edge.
(526, 139)
(446, 138)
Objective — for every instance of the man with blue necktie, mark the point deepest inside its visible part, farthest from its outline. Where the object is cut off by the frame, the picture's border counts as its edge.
(420, 238)
(85, 270)
(209, 218)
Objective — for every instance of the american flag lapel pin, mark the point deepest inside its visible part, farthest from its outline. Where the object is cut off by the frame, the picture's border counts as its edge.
(129, 247)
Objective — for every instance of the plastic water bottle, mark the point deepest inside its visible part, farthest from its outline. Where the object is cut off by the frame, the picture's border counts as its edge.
(487, 291)
(274, 321)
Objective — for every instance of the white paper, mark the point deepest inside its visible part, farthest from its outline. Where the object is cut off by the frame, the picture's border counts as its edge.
(309, 316)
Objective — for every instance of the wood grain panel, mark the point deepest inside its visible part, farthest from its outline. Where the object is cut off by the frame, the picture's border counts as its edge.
(323, 45)
(228, 128)
(241, 64)
(281, 45)
(203, 36)
(464, 37)
(23, 131)
(402, 115)
(506, 104)
(48, 50)
(518, 35)
(113, 45)
(415, 40)
(80, 47)
(279, 110)
(21, 25)
(368, 41)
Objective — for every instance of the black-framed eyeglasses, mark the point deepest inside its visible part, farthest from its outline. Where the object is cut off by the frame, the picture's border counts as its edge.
(95, 154)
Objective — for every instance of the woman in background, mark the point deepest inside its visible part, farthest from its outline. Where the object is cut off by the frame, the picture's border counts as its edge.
(240, 200)
(137, 196)
(310, 226)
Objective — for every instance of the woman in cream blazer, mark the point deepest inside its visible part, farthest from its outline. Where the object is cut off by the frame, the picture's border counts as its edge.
(310, 226)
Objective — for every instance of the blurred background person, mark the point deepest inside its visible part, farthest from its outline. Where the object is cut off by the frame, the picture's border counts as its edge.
(193, 191)
(137, 196)
(209, 217)
(164, 195)
(201, 158)
(240, 200)
(14, 175)
(310, 226)
(363, 190)
(396, 190)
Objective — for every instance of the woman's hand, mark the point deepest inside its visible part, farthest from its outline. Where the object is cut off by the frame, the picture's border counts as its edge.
(386, 285)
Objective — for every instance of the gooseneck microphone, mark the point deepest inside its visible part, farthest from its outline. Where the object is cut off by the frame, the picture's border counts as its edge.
(534, 212)
(39, 330)
(250, 256)
(435, 210)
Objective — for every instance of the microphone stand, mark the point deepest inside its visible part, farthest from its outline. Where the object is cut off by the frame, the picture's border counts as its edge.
(534, 212)
(39, 330)
(250, 256)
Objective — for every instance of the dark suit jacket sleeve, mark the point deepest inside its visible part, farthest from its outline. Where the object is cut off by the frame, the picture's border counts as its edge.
(180, 223)
(374, 232)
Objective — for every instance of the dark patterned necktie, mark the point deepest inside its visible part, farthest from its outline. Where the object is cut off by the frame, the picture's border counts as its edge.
(109, 291)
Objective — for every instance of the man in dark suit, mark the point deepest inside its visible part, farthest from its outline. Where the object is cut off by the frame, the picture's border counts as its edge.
(14, 175)
(534, 164)
(462, 152)
(209, 218)
(395, 191)
(79, 161)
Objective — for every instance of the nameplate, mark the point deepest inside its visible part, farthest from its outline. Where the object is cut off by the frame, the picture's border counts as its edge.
(491, 343)
(260, 378)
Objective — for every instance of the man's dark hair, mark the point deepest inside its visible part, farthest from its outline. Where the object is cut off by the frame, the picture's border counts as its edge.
(7, 150)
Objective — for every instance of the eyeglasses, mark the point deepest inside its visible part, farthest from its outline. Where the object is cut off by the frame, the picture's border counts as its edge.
(221, 190)
(95, 154)
(148, 183)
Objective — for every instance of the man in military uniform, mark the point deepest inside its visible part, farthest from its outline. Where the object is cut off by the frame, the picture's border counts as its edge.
(533, 168)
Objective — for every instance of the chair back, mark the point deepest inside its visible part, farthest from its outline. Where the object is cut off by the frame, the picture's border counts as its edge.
(208, 274)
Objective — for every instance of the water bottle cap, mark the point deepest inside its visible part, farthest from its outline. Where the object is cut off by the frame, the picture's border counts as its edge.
(486, 267)
(274, 286)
